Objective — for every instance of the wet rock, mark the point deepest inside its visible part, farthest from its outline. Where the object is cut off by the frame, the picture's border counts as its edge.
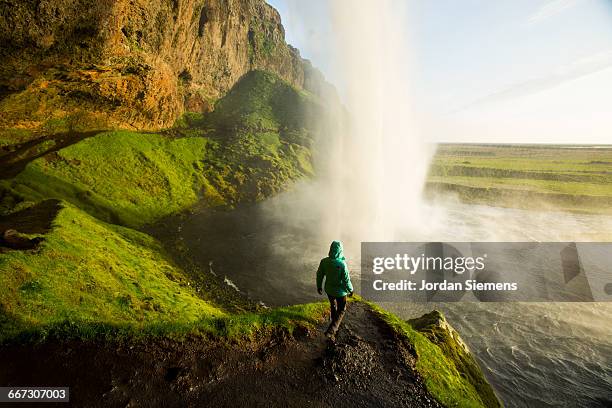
(351, 360)
(437, 329)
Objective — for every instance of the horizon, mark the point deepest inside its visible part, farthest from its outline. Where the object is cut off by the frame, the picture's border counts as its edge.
(466, 84)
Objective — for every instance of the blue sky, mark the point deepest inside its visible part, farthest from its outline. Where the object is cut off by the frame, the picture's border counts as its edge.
(495, 71)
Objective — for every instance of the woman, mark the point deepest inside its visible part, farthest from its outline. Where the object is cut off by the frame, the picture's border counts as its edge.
(337, 285)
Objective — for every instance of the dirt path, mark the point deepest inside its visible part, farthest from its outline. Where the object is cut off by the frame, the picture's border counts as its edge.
(367, 367)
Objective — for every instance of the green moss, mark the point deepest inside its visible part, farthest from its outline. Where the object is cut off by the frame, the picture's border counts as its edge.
(262, 101)
(122, 177)
(255, 143)
(264, 129)
(89, 279)
(90, 271)
(242, 327)
(441, 376)
(434, 326)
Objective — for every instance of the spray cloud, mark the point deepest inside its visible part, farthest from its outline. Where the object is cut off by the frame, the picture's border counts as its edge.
(379, 165)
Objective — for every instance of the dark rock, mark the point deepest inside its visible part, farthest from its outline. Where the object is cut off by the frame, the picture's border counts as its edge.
(15, 240)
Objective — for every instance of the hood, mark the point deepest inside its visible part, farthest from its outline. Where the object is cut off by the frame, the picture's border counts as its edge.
(335, 250)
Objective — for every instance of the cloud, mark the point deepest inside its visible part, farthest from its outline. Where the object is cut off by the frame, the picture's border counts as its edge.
(569, 72)
(550, 9)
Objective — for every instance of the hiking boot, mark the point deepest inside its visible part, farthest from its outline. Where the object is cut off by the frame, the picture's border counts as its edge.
(334, 326)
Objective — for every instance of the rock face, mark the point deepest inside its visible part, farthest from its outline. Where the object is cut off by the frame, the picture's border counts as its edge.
(435, 327)
(137, 64)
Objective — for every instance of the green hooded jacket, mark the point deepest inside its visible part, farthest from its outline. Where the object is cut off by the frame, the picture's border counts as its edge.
(336, 273)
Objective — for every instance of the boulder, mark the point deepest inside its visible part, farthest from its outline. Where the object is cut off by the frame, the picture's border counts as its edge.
(435, 327)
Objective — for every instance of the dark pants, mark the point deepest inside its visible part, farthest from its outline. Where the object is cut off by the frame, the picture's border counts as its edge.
(337, 308)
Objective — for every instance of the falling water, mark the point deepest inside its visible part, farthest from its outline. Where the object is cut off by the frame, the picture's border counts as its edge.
(381, 161)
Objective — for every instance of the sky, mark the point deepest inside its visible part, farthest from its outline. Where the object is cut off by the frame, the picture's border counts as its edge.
(522, 71)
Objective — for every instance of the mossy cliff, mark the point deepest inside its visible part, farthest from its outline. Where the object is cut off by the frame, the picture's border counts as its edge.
(117, 114)
(134, 65)
(256, 142)
(435, 327)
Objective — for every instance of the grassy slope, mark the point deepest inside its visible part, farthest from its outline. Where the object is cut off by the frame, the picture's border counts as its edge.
(435, 327)
(89, 277)
(124, 177)
(254, 145)
(88, 270)
(265, 130)
(572, 179)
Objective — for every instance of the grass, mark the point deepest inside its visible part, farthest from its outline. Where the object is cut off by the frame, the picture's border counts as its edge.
(122, 177)
(87, 270)
(567, 177)
(91, 279)
(437, 330)
(542, 186)
(134, 179)
(265, 129)
(253, 145)
(439, 371)
(260, 101)
(241, 327)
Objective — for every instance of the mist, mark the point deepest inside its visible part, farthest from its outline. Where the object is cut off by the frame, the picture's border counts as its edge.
(381, 163)
(370, 177)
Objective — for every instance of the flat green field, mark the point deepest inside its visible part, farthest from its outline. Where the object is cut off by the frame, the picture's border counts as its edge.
(563, 177)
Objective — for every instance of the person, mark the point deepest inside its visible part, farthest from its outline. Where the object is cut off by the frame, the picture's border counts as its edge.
(337, 285)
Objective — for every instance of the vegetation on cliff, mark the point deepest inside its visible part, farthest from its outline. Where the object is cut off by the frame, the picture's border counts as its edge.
(90, 271)
(454, 378)
(256, 142)
(114, 115)
(436, 329)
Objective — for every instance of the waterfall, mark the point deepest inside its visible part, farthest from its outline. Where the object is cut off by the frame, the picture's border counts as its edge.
(379, 165)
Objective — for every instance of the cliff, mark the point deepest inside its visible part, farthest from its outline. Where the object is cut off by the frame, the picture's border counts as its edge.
(435, 327)
(255, 144)
(114, 116)
(101, 64)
